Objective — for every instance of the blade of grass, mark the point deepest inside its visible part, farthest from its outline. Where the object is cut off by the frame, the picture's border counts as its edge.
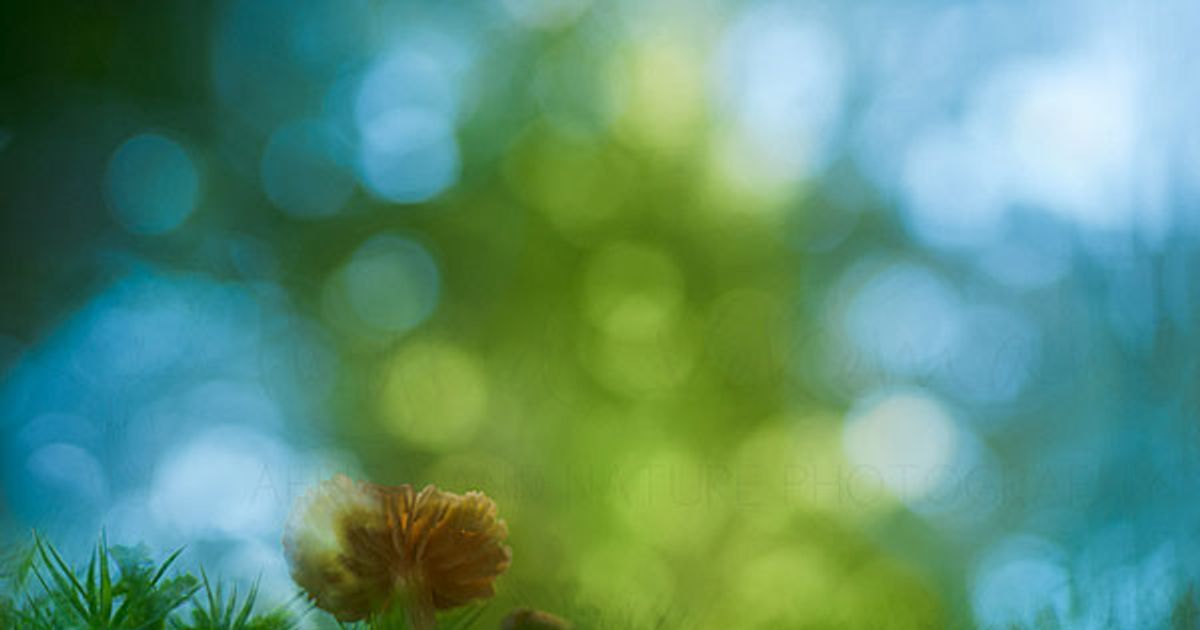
(165, 565)
(90, 582)
(69, 587)
(106, 588)
(58, 566)
(247, 607)
(36, 611)
(467, 619)
(214, 609)
(228, 606)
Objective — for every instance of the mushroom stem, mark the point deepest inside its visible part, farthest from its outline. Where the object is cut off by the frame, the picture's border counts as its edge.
(418, 604)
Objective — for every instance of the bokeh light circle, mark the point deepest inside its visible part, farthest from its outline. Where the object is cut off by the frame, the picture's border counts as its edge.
(404, 80)
(907, 439)
(70, 472)
(793, 587)
(391, 283)
(778, 78)
(302, 173)
(632, 290)
(405, 111)
(434, 395)
(409, 156)
(1020, 579)
(640, 600)
(904, 318)
(212, 484)
(998, 358)
(666, 498)
(152, 184)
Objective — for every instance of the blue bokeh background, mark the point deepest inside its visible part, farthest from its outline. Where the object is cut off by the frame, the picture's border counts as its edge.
(939, 257)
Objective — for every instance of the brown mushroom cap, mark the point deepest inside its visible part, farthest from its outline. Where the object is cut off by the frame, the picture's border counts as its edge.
(356, 548)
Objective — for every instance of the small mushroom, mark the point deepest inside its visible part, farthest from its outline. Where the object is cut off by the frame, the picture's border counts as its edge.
(358, 549)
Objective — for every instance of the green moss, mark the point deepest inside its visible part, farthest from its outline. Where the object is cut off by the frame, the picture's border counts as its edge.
(216, 611)
(120, 588)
